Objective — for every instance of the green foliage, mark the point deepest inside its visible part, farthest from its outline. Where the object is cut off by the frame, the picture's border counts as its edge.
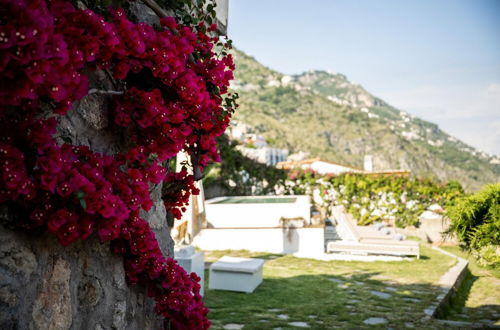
(238, 175)
(374, 198)
(190, 12)
(476, 223)
(102, 6)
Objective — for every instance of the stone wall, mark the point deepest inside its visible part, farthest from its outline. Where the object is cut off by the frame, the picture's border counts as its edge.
(46, 286)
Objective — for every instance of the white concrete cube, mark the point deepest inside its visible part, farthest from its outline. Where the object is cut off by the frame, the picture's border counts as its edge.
(236, 274)
(192, 261)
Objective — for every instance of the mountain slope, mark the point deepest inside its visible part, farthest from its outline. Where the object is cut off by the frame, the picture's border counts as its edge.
(329, 117)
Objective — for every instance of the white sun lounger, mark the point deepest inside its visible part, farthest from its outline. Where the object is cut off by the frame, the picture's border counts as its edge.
(366, 240)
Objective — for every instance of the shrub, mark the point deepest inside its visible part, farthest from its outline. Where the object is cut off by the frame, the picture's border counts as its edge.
(475, 220)
(237, 174)
(374, 198)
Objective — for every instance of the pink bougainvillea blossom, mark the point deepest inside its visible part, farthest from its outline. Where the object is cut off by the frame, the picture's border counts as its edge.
(47, 49)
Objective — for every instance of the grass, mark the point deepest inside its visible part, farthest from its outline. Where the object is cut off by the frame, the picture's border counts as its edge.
(332, 294)
(479, 296)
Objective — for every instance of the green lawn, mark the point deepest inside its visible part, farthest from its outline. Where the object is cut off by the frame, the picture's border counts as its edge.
(479, 296)
(332, 294)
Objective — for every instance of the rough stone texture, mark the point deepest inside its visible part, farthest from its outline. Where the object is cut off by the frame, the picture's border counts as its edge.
(7, 296)
(119, 321)
(90, 291)
(52, 309)
(46, 286)
(17, 259)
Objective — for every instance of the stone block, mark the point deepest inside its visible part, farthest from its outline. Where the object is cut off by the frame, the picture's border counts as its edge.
(236, 274)
(192, 261)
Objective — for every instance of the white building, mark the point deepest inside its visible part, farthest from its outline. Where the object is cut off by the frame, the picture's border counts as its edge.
(319, 166)
(255, 146)
(325, 167)
(238, 131)
(265, 155)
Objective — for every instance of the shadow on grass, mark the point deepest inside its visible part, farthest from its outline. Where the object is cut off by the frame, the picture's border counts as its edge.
(269, 256)
(328, 295)
(323, 301)
(456, 308)
(459, 298)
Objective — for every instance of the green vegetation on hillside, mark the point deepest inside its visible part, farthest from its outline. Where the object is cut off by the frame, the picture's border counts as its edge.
(329, 117)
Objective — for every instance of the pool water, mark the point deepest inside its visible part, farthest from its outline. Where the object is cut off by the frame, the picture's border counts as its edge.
(260, 200)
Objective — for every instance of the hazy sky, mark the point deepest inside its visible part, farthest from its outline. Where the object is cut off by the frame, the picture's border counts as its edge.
(437, 59)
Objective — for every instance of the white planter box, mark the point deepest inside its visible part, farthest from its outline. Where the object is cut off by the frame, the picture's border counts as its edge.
(194, 262)
(236, 274)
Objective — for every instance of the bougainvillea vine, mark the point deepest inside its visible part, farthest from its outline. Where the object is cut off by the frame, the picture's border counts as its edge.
(173, 96)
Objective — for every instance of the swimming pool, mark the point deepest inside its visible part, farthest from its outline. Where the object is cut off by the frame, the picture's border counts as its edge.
(255, 211)
(254, 200)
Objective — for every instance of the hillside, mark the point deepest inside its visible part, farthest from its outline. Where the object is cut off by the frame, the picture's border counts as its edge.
(329, 117)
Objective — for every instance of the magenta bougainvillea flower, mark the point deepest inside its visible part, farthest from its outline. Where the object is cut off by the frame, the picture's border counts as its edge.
(47, 49)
